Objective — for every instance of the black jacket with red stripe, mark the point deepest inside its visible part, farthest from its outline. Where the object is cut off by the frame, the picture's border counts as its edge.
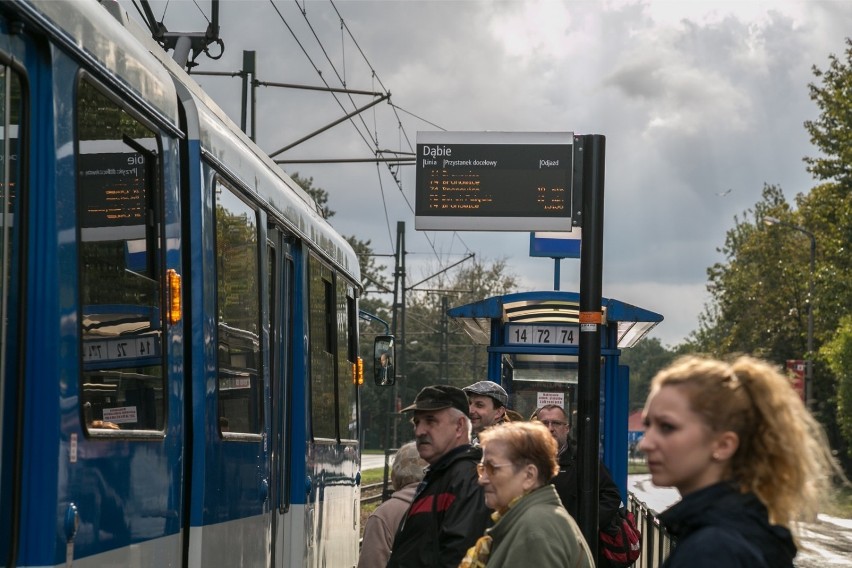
(447, 515)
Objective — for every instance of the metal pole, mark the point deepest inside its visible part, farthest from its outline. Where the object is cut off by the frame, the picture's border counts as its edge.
(591, 152)
(809, 364)
(400, 359)
(248, 70)
(809, 369)
(445, 341)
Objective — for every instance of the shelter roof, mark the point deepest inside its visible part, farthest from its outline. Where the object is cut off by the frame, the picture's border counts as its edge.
(552, 306)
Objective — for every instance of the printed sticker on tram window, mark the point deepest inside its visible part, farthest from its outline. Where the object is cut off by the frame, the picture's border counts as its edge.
(120, 415)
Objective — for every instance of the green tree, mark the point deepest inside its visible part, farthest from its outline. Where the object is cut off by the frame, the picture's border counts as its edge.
(759, 293)
(645, 359)
(466, 361)
(319, 195)
(827, 212)
(831, 132)
(372, 273)
(838, 355)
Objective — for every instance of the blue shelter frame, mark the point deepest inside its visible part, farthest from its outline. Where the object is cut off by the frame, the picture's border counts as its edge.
(533, 340)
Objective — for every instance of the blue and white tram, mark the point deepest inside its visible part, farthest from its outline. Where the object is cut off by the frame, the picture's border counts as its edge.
(178, 351)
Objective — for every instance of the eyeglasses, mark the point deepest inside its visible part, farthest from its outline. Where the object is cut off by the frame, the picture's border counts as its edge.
(550, 423)
(489, 468)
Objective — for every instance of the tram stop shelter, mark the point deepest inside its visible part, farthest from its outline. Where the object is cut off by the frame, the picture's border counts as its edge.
(533, 352)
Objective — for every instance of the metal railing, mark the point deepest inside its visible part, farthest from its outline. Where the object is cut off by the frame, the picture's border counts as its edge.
(378, 497)
(657, 543)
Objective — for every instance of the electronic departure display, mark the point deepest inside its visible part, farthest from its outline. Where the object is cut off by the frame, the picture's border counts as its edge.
(494, 181)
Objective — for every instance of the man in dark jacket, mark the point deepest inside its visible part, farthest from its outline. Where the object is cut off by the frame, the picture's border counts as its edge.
(448, 513)
(566, 481)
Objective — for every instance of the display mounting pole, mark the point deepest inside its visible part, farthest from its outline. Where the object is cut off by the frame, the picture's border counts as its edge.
(556, 274)
(591, 149)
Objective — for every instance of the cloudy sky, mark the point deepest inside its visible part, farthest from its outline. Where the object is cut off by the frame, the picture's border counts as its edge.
(701, 103)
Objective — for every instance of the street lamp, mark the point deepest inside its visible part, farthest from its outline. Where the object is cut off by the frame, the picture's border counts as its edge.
(809, 371)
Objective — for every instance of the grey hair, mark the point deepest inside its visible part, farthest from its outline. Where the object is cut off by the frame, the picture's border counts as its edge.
(407, 466)
(456, 414)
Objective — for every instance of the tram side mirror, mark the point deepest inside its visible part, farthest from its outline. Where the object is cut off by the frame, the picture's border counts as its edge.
(384, 357)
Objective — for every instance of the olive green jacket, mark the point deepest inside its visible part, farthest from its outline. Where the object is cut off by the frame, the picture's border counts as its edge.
(538, 532)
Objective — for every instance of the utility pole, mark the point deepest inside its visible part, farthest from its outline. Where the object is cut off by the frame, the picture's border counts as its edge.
(445, 341)
(398, 322)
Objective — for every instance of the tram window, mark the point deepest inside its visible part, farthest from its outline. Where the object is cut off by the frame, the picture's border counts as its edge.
(346, 390)
(238, 306)
(118, 219)
(322, 342)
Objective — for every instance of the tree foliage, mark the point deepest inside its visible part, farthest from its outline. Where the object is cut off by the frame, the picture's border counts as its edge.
(372, 273)
(319, 195)
(760, 291)
(644, 360)
(838, 355)
(831, 132)
(433, 349)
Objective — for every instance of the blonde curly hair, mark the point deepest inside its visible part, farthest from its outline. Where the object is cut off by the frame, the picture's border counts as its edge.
(783, 455)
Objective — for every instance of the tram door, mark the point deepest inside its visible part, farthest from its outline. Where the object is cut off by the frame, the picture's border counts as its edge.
(123, 483)
(281, 295)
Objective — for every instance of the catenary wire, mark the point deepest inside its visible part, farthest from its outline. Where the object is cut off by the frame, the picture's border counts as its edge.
(373, 138)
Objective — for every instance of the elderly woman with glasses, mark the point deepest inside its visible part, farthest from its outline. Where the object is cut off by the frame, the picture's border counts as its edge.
(531, 528)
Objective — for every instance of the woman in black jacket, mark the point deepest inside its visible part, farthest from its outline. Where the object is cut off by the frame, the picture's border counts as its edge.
(746, 456)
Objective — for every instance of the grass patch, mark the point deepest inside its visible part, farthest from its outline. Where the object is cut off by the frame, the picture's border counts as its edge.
(369, 476)
(636, 467)
(840, 504)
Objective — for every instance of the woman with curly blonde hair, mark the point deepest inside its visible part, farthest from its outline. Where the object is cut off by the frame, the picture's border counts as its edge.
(747, 457)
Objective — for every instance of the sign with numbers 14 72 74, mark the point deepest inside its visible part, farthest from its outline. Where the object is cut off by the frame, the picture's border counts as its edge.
(542, 334)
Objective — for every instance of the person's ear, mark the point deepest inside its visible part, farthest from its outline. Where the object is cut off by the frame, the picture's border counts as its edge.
(530, 473)
(460, 425)
(725, 446)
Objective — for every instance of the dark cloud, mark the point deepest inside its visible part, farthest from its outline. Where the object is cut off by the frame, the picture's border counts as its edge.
(691, 103)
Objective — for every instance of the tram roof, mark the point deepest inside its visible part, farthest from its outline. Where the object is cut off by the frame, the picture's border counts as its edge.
(552, 306)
